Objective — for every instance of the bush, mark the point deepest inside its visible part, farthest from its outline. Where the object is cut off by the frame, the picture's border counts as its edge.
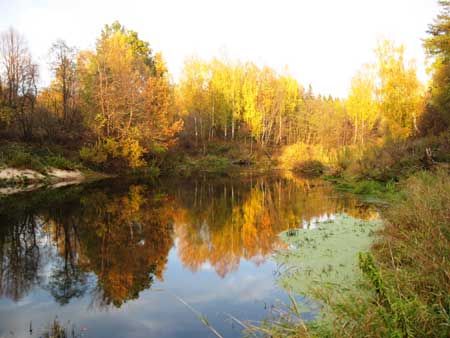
(294, 155)
(395, 159)
(311, 168)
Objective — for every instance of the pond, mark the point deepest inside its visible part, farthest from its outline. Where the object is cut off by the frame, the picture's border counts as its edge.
(121, 258)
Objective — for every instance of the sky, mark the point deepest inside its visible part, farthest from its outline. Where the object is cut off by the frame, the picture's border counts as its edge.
(322, 43)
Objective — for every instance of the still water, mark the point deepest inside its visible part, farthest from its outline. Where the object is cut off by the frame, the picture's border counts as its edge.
(121, 259)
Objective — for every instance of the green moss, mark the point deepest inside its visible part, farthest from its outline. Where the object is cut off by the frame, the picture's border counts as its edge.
(327, 254)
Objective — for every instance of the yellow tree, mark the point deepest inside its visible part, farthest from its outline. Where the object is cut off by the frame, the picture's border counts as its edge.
(400, 92)
(159, 123)
(193, 95)
(290, 96)
(361, 104)
(126, 94)
(251, 114)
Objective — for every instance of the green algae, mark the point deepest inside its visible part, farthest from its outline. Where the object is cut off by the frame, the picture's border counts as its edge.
(325, 254)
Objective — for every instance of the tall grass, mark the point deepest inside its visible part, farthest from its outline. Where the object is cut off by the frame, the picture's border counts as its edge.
(406, 289)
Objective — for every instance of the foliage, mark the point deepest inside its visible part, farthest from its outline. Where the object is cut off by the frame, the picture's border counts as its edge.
(310, 168)
(396, 159)
(127, 96)
(361, 105)
(210, 164)
(437, 118)
(400, 92)
(292, 156)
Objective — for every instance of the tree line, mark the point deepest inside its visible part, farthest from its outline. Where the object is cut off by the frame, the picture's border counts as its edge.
(117, 103)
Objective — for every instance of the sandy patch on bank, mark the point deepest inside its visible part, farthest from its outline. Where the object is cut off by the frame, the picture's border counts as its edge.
(66, 175)
(54, 178)
(18, 174)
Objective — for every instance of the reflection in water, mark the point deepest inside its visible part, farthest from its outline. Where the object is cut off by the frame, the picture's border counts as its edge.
(114, 238)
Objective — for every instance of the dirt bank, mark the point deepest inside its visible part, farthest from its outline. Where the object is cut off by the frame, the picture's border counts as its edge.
(13, 180)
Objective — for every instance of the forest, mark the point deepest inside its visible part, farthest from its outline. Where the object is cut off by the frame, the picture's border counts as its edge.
(116, 110)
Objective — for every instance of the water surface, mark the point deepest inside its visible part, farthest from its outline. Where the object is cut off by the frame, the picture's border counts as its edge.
(114, 258)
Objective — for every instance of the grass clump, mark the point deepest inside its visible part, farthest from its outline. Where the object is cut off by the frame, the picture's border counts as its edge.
(57, 330)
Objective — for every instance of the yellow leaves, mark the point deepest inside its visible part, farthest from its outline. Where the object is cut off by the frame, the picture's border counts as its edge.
(361, 105)
(400, 92)
(389, 90)
(127, 148)
(128, 98)
(222, 95)
(132, 152)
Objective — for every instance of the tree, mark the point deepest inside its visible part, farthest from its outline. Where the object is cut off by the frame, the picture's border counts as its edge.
(20, 81)
(437, 116)
(121, 82)
(160, 125)
(361, 105)
(400, 92)
(65, 82)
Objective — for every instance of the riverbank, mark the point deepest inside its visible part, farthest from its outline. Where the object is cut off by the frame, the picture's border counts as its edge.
(27, 167)
(403, 284)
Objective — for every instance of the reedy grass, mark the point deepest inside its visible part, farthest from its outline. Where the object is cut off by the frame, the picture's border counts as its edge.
(406, 290)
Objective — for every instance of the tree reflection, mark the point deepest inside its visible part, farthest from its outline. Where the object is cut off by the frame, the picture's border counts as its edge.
(221, 223)
(125, 242)
(20, 256)
(114, 239)
(122, 237)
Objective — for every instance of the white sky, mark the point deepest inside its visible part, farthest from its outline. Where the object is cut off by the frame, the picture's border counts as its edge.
(323, 42)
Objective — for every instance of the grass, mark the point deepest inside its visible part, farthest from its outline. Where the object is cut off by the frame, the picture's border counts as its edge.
(406, 286)
(57, 330)
(369, 190)
(209, 164)
(22, 156)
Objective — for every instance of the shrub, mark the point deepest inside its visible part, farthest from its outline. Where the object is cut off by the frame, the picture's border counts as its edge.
(93, 154)
(310, 168)
(295, 154)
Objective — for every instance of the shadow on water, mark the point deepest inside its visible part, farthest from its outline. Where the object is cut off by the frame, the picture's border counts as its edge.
(111, 240)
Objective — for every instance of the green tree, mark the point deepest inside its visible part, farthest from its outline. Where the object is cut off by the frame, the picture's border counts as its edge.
(437, 117)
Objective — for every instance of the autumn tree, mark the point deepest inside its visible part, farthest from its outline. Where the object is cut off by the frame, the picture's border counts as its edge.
(400, 92)
(361, 103)
(20, 76)
(119, 82)
(159, 122)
